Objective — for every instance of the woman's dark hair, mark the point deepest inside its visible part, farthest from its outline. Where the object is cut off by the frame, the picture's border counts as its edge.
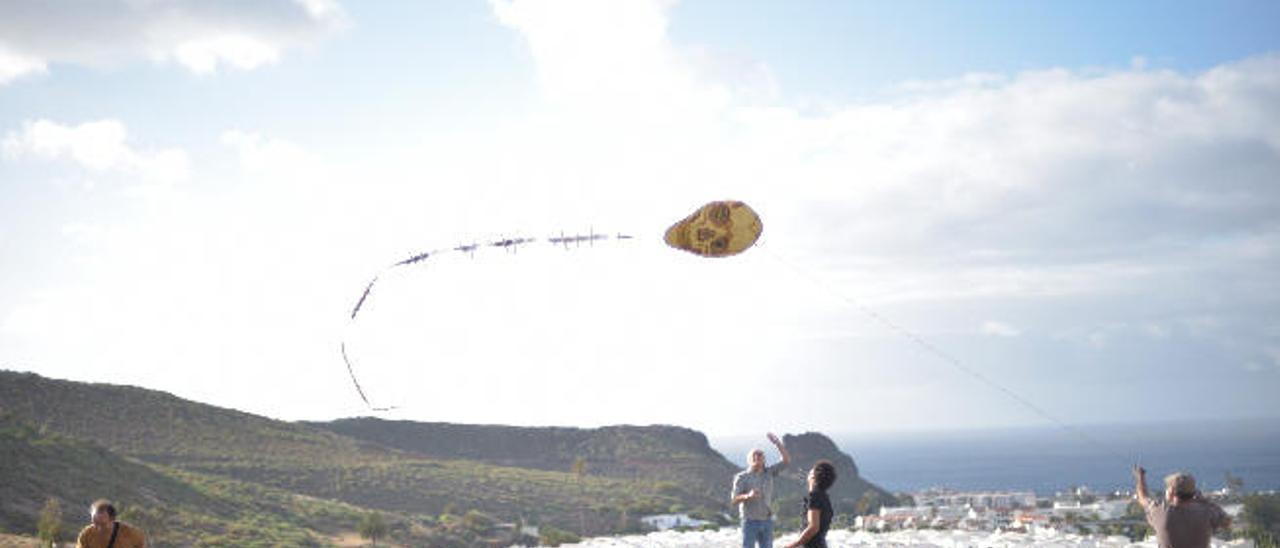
(824, 474)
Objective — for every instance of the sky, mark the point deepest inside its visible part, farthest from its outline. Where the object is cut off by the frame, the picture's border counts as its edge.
(978, 214)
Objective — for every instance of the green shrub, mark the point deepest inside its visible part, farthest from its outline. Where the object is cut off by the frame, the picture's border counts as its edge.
(550, 536)
(1261, 517)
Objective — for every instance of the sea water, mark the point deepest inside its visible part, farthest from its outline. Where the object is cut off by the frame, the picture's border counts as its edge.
(1055, 459)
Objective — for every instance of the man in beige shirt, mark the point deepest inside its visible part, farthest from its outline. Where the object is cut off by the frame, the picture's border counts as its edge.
(753, 493)
(1184, 518)
(106, 532)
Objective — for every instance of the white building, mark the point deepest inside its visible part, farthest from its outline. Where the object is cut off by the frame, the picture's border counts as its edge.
(662, 522)
(1104, 509)
(977, 499)
(926, 512)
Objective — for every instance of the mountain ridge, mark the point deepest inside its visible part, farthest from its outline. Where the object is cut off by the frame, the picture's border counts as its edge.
(588, 480)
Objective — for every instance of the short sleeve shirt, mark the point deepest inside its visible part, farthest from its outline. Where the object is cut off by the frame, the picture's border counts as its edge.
(128, 537)
(1185, 525)
(746, 480)
(818, 500)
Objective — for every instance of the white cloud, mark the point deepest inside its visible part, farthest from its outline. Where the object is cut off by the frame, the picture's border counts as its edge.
(201, 36)
(999, 329)
(14, 65)
(271, 157)
(100, 146)
(610, 56)
(238, 51)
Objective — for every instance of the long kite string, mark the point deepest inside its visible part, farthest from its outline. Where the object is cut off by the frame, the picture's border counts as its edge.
(947, 358)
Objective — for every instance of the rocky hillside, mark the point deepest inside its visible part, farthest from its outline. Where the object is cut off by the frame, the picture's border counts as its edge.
(43, 469)
(187, 466)
(651, 453)
(160, 427)
(810, 447)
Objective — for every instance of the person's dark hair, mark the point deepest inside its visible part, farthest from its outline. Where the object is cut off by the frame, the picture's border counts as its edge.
(824, 474)
(104, 504)
(1182, 484)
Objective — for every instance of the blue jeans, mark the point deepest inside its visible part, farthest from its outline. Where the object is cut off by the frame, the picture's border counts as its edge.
(757, 531)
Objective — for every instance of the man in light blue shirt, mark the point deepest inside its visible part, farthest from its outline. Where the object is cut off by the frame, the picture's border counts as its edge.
(753, 491)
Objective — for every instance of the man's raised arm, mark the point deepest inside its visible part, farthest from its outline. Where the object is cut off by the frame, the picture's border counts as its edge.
(1140, 479)
(782, 449)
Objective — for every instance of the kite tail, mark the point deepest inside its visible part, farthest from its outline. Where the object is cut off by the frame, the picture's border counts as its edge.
(351, 371)
(363, 296)
(509, 244)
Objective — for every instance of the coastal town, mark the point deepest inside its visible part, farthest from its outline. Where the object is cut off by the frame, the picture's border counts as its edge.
(1078, 517)
(1078, 510)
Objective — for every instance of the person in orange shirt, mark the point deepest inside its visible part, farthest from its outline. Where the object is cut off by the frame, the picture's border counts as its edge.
(106, 532)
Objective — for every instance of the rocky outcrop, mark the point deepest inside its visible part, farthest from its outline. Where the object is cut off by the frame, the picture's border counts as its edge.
(810, 447)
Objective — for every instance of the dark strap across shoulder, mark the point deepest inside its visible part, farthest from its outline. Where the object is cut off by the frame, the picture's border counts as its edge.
(115, 530)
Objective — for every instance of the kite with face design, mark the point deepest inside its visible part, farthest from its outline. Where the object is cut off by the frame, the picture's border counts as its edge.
(718, 229)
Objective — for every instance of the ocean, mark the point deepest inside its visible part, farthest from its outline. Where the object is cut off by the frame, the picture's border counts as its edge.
(1050, 459)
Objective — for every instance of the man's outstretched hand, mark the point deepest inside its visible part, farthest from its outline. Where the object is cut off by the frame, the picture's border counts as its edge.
(1139, 473)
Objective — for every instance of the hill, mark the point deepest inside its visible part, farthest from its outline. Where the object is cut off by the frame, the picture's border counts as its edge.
(659, 453)
(210, 468)
(173, 506)
(161, 429)
(181, 508)
(39, 466)
(652, 453)
(850, 488)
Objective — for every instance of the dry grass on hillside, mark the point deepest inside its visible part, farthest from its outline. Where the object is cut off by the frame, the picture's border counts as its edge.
(15, 541)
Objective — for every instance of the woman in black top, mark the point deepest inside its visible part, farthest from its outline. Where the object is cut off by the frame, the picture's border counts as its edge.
(817, 506)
